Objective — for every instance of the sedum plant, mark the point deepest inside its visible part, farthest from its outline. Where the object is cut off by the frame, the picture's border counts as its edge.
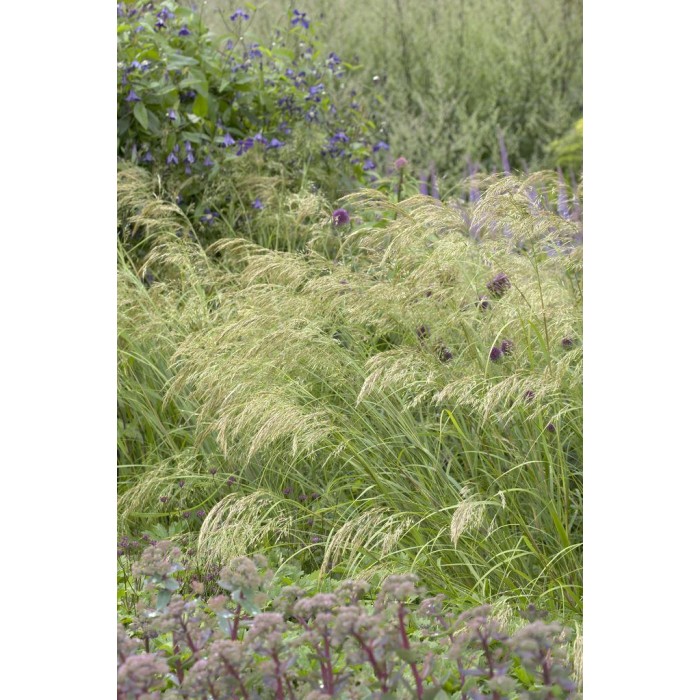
(398, 644)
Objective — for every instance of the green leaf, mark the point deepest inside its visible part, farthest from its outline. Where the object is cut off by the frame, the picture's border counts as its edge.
(201, 106)
(435, 694)
(141, 114)
(410, 656)
(163, 599)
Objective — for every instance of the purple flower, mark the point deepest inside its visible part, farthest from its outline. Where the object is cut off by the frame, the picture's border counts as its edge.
(257, 204)
(380, 146)
(163, 499)
(147, 157)
(208, 161)
(259, 138)
(132, 96)
(165, 13)
(228, 140)
(275, 143)
(495, 354)
(422, 332)
(567, 343)
(209, 217)
(550, 427)
(172, 159)
(315, 539)
(254, 51)
(212, 471)
(240, 14)
(529, 395)
(231, 480)
(287, 491)
(340, 217)
(201, 513)
(172, 114)
(369, 164)
(400, 163)
(181, 483)
(300, 18)
(483, 303)
(184, 31)
(507, 347)
(562, 201)
(504, 153)
(186, 516)
(499, 284)
(245, 145)
(444, 354)
(315, 89)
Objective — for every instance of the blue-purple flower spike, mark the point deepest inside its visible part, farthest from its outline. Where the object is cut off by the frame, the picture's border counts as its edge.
(499, 284)
(504, 153)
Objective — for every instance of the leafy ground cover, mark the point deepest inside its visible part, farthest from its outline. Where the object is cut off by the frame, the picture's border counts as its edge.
(327, 360)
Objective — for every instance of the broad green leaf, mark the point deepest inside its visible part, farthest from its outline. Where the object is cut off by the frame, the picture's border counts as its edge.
(141, 114)
(201, 106)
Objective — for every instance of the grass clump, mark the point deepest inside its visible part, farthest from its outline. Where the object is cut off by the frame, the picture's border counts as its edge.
(401, 395)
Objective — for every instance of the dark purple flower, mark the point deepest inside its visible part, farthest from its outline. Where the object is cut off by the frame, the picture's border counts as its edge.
(529, 395)
(340, 217)
(314, 90)
(507, 347)
(495, 354)
(380, 146)
(259, 138)
(499, 284)
(209, 217)
(231, 480)
(369, 164)
(132, 96)
(315, 539)
(240, 14)
(483, 303)
(172, 114)
(163, 499)
(181, 483)
(165, 13)
(184, 31)
(300, 18)
(550, 427)
(287, 491)
(257, 204)
(208, 161)
(275, 143)
(444, 353)
(315, 496)
(212, 471)
(567, 343)
(400, 163)
(147, 157)
(303, 498)
(254, 51)
(186, 516)
(201, 513)
(172, 159)
(422, 332)
(228, 140)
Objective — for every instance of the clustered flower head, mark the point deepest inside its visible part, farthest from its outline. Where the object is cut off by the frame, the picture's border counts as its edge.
(499, 285)
(341, 217)
(227, 647)
(400, 163)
